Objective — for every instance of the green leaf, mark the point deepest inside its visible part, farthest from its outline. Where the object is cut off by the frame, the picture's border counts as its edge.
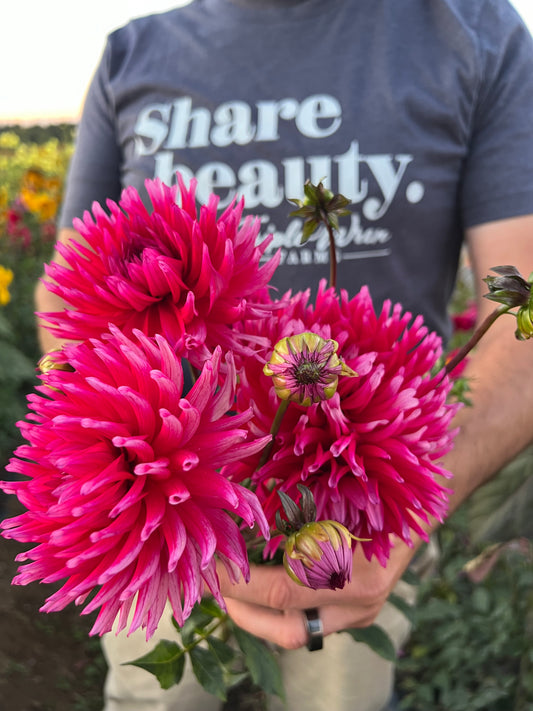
(194, 624)
(410, 577)
(208, 671)
(403, 606)
(501, 509)
(210, 607)
(377, 639)
(5, 328)
(261, 662)
(481, 600)
(223, 651)
(235, 678)
(166, 662)
(14, 365)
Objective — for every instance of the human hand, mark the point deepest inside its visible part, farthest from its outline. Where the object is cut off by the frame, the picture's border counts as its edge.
(271, 605)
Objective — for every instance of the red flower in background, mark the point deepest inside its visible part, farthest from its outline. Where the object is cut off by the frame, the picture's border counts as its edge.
(465, 320)
(124, 493)
(170, 271)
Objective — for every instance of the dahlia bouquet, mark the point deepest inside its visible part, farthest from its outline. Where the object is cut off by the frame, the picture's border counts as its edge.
(197, 420)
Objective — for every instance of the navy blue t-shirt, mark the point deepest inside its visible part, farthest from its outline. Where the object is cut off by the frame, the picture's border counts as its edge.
(419, 111)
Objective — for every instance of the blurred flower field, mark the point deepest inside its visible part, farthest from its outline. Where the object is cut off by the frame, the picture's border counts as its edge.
(31, 182)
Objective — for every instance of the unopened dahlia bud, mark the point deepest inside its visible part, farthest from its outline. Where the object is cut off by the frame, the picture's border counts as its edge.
(524, 322)
(319, 555)
(54, 360)
(509, 288)
(319, 204)
(305, 368)
(512, 290)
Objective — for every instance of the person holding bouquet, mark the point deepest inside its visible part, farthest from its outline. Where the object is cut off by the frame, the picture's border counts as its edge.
(419, 114)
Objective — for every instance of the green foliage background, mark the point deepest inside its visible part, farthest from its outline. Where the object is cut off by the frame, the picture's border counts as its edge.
(47, 150)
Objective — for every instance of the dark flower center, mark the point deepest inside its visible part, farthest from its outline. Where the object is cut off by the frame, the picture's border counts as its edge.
(307, 373)
(337, 580)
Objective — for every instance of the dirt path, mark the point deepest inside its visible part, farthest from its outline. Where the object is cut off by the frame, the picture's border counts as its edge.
(48, 662)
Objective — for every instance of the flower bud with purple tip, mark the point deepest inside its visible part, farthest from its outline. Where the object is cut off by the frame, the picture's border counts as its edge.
(319, 555)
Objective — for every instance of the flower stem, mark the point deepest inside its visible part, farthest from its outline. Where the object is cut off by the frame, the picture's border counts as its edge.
(332, 251)
(475, 338)
(274, 429)
(205, 633)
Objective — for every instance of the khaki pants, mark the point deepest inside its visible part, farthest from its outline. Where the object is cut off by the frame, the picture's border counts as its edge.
(344, 676)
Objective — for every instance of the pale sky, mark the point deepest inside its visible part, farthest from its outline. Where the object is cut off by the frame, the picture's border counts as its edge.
(49, 50)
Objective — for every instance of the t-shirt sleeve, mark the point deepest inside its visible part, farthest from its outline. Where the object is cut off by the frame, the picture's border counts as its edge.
(94, 171)
(498, 175)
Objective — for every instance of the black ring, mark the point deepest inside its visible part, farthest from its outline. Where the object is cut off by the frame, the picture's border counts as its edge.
(313, 625)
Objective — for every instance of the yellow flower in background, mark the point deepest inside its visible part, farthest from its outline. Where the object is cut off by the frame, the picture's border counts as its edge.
(6, 277)
(9, 141)
(17, 158)
(40, 194)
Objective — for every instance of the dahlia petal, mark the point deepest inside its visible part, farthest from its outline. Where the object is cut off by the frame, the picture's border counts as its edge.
(124, 557)
(148, 561)
(155, 506)
(175, 535)
(135, 446)
(177, 492)
(157, 606)
(158, 468)
(200, 529)
(130, 498)
(170, 432)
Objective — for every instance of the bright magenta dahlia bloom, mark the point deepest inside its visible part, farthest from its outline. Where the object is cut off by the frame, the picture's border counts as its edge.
(124, 494)
(370, 453)
(171, 271)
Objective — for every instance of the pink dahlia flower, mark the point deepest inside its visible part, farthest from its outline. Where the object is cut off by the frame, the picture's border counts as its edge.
(170, 271)
(370, 453)
(124, 494)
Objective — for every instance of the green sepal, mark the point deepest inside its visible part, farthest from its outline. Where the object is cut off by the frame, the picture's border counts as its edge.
(261, 662)
(166, 662)
(377, 639)
(309, 227)
(509, 288)
(208, 671)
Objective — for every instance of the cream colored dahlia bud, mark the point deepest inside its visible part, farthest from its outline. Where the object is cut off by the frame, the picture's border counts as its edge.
(305, 368)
